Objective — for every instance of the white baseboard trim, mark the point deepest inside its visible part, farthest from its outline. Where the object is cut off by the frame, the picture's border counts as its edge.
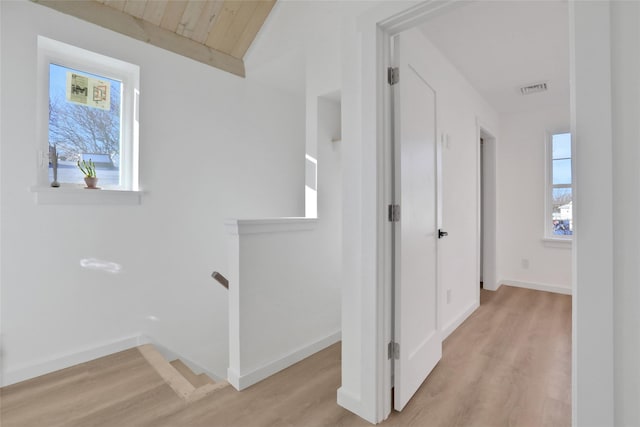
(491, 287)
(233, 378)
(353, 403)
(241, 381)
(453, 325)
(538, 286)
(57, 362)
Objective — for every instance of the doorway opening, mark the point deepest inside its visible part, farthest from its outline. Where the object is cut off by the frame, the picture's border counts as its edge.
(482, 214)
(473, 240)
(487, 210)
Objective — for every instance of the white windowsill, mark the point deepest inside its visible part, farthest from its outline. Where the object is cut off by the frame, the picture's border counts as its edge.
(78, 195)
(557, 242)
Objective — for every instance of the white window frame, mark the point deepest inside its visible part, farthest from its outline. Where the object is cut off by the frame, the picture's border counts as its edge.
(54, 52)
(549, 238)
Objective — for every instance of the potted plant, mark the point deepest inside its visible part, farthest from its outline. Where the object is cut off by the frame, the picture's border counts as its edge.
(89, 171)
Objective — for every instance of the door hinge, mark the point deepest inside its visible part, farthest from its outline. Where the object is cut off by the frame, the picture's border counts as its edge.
(393, 350)
(394, 213)
(393, 75)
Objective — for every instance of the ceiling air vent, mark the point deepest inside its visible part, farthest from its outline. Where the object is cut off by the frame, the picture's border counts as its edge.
(534, 88)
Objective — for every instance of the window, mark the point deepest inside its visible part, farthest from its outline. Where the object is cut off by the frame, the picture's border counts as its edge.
(89, 112)
(559, 212)
(84, 125)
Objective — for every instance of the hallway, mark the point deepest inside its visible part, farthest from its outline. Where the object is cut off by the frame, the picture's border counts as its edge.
(509, 364)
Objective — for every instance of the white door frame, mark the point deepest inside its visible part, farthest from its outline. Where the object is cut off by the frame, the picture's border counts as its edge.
(489, 221)
(386, 30)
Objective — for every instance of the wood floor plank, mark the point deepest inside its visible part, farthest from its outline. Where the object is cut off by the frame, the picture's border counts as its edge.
(152, 403)
(508, 364)
(109, 380)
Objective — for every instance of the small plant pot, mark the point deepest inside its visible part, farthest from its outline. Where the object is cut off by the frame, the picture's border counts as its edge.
(92, 182)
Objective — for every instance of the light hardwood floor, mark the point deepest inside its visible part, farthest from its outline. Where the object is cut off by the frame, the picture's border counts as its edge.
(509, 364)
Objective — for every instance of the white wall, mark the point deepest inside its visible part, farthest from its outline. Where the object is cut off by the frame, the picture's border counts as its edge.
(305, 35)
(329, 149)
(625, 37)
(320, 41)
(361, 389)
(283, 304)
(212, 146)
(284, 277)
(520, 206)
(1, 235)
(593, 250)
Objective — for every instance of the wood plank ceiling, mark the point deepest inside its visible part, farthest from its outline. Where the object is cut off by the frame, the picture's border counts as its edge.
(215, 32)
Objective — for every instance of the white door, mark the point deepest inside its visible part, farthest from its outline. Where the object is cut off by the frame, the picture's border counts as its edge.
(416, 233)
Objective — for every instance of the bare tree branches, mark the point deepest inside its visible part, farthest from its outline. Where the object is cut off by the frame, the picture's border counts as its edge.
(562, 198)
(77, 129)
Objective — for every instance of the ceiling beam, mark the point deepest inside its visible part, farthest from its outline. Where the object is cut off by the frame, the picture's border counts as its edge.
(120, 22)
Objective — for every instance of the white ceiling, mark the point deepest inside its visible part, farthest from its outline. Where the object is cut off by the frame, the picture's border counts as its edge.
(500, 46)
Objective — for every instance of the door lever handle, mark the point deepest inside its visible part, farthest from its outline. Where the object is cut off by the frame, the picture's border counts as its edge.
(442, 234)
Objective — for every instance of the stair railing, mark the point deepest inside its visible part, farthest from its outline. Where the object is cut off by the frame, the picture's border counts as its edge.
(221, 279)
